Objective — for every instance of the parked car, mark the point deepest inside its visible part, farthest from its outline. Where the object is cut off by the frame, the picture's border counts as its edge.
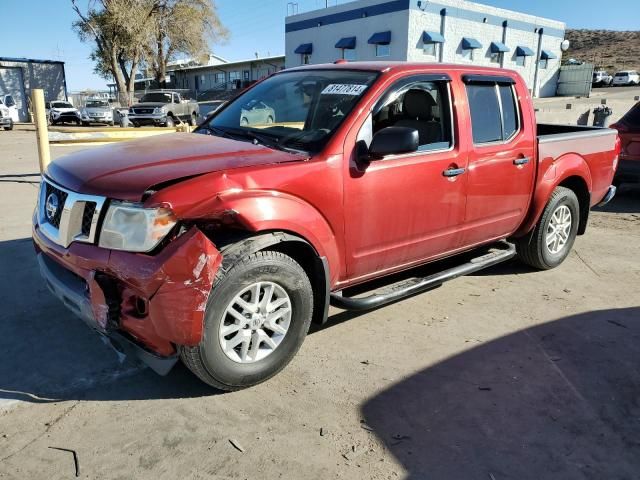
(62, 112)
(222, 246)
(626, 78)
(164, 108)
(601, 79)
(9, 103)
(256, 113)
(97, 111)
(208, 103)
(6, 117)
(628, 128)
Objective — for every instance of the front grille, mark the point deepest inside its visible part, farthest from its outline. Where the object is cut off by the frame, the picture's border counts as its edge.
(79, 212)
(62, 198)
(143, 110)
(87, 218)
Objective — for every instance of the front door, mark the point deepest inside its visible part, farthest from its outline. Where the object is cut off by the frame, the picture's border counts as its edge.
(501, 160)
(402, 209)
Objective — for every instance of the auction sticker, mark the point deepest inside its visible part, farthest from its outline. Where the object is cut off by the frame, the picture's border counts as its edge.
(343, 89)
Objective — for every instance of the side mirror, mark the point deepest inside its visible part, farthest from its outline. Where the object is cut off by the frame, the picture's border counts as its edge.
(392, 141)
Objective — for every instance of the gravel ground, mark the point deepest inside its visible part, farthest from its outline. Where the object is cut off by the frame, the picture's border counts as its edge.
(506, 374)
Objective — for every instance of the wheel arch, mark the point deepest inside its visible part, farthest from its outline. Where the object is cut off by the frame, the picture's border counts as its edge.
(570, 171)
(293, 245)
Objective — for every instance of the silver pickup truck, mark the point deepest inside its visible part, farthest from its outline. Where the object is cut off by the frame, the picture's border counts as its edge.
(164, 109)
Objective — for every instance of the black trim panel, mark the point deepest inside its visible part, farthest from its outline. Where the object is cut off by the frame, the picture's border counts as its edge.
(487, 79)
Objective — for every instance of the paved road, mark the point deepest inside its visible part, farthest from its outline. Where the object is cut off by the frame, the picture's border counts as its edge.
(508, 374)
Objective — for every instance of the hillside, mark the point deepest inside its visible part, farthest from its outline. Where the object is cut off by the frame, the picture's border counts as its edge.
(608, 49)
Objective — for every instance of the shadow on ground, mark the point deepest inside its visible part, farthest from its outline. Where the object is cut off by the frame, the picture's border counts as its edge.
(556, 401)
(48, 354)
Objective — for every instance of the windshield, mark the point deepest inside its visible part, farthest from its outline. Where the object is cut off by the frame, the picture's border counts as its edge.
(297, 110)
(97, 104)
(156, 97)
(622, 74)
(61, 105)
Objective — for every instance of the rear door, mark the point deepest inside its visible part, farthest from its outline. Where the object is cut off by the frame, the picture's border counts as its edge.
(501, 158)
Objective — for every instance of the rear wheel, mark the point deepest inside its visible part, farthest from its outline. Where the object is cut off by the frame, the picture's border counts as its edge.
(256, 319)
(551, 240)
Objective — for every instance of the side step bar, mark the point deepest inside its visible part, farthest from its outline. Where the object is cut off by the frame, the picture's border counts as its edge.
(497, 253)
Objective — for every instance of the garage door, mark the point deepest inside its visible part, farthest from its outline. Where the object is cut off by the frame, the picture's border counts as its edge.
(12, 83)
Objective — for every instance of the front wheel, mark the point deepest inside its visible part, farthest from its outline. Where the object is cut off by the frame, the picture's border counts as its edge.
(10, 126)
(256, 319)
(193, 120)
(551, 240)
(170, 122)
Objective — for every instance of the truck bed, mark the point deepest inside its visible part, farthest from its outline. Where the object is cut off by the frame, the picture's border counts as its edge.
(595, 145)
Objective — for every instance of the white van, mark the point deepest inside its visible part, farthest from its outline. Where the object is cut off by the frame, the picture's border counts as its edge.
(626, 77)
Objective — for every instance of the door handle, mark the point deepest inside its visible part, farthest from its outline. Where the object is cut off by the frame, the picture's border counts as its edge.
(521, 161)
(453, 172)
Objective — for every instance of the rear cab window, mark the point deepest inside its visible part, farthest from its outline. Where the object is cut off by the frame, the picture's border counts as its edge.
(493, 107)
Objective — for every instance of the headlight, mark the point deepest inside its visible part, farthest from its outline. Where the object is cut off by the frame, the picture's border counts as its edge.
(132, 228)
(158, 110)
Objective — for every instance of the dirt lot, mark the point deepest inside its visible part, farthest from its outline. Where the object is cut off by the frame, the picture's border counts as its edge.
(508, 374)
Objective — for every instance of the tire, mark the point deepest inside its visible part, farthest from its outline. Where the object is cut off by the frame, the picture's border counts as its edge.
(85, 124)
(269, 119)
(533, 249)
(10, 126)
(111, 124)
(170, 122)
(209, 361)
(193, 120)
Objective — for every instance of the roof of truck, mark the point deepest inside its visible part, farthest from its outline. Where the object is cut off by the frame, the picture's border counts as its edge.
(377, 66)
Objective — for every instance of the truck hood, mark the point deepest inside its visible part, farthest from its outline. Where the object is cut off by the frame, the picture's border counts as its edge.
(150, 105)
(126, 170)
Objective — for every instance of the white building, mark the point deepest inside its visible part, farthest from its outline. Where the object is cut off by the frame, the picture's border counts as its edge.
(449, 31)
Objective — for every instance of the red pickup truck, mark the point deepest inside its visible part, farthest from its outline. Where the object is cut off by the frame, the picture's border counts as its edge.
(221, 247)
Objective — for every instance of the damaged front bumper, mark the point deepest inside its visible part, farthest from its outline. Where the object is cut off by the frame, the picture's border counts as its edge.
(144, 305)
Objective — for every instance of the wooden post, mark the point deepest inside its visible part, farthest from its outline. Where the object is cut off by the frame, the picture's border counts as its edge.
(42, 133)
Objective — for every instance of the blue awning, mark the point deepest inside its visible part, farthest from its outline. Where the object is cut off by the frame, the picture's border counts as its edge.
(380, 38)
(469, 43)
(524, 52)
(346, 42)
(304, 49)
(547, 55)
(497, 47)
(432, 37)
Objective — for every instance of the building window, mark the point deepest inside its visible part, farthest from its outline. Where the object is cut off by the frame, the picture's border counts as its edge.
(467, 54)
(247, 75)
(521, 60)
(349, 54)
(305, 59)
(544, 63)
(234, 76)
(219, 77)
(496, 57)
(382, 50)
(429, 49)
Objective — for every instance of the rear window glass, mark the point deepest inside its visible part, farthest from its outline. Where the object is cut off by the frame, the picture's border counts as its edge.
(485, 113)
(509, 111)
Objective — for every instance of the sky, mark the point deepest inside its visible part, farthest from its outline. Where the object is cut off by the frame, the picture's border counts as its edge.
(42, 29)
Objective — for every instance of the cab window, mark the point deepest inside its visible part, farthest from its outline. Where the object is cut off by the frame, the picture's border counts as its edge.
(419, 104)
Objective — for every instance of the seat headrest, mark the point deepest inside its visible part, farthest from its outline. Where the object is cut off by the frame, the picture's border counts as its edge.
(418, 104)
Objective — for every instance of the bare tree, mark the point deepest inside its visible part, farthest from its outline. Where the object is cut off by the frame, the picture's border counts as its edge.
(120, 30)
(182, 27)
